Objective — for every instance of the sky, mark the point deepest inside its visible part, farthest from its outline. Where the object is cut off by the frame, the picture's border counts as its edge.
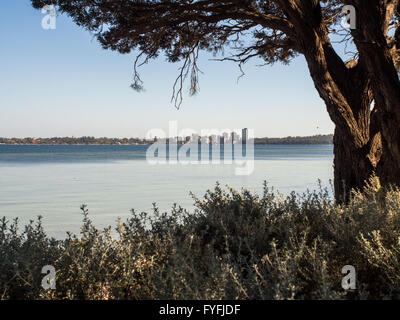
(62, 83)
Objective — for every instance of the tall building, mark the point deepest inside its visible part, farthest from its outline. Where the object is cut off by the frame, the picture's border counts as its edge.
(225, 137)
(245, 135)
(233, 137)
(195, 138)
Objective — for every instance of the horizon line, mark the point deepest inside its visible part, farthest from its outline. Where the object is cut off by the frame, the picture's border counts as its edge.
(143, 138)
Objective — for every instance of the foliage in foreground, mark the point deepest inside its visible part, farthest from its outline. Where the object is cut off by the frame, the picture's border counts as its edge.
(234, 246)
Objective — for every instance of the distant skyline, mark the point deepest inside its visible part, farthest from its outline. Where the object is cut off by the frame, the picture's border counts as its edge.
(62, 83)
(145, 138)
(219, 138)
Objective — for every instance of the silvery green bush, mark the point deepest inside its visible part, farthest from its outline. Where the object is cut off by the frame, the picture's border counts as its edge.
(236, 245)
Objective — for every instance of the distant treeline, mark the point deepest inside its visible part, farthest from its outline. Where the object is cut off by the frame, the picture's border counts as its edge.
(73, 140)
(318, 139)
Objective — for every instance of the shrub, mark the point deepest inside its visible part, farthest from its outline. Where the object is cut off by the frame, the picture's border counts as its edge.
(235, 245)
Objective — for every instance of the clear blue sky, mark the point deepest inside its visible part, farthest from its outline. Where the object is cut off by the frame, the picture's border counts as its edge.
(62, 83)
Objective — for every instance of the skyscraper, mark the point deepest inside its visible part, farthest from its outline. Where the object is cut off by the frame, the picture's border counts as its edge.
(225, 137)
(245, 135)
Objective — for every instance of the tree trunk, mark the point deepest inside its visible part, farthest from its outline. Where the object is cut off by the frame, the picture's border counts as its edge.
(386, 91)
(346, 90)
(371, 41)
(352, 166)
(388, 169)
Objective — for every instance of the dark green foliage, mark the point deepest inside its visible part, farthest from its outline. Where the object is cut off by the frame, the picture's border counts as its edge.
(318, 139)
(74, 141)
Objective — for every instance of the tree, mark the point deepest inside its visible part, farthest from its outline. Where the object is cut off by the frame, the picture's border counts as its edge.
(366, 139)
(377, 38)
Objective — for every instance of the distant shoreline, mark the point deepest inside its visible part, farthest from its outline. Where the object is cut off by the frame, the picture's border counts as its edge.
(88, 141)
(67, 144)
(125, 145)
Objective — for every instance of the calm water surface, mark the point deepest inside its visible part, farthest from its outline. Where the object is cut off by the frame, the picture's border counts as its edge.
(53, 181)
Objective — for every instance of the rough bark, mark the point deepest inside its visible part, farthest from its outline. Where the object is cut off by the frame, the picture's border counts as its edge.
(372, 42)
(345, 89)
(353, 166)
